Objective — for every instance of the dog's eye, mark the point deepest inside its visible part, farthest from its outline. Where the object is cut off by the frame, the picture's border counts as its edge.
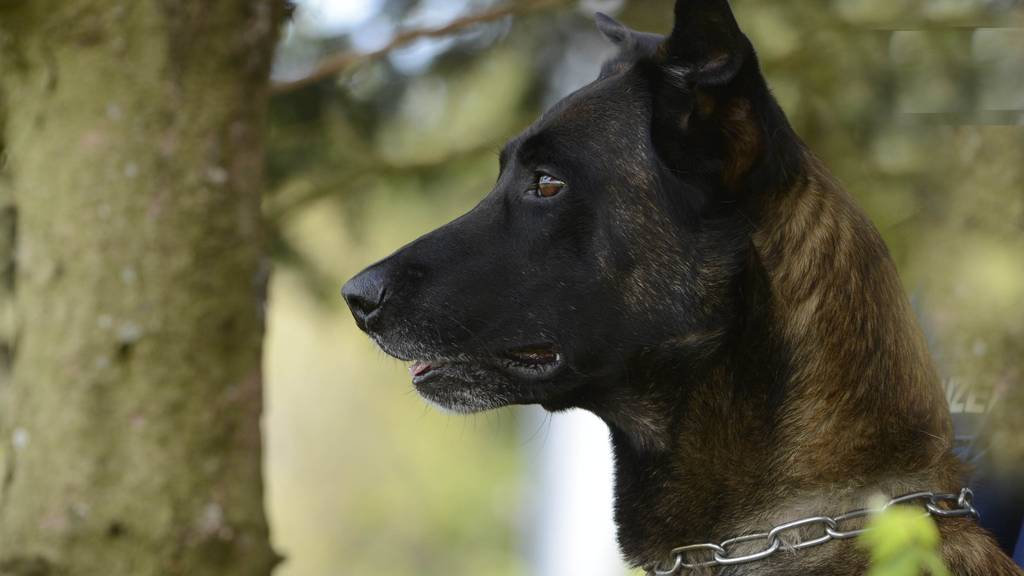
(547, 186)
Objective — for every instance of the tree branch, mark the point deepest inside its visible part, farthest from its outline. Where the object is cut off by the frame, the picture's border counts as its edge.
(338, 63)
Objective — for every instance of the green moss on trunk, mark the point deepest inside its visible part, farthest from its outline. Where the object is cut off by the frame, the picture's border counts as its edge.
(132, 419)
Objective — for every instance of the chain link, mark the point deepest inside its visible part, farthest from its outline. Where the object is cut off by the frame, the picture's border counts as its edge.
(684, 558)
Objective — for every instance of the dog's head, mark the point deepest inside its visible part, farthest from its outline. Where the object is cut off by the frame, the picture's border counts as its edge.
(610, 242)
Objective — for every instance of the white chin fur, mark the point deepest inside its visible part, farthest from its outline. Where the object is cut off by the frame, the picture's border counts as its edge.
(460, 401)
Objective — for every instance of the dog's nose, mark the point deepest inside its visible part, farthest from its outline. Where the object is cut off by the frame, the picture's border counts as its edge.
(365, 294)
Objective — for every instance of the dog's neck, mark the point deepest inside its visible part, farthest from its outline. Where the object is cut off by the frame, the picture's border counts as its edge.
(861, 384)
(823, 392)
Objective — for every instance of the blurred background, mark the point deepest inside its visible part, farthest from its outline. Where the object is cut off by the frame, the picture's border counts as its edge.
(917, 105)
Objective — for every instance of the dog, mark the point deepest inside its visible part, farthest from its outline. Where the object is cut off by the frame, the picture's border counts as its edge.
(662, 250)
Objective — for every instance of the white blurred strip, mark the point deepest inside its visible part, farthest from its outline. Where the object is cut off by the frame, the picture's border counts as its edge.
(569, 489)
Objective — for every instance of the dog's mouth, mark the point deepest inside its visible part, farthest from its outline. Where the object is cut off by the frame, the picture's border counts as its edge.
(533, 362)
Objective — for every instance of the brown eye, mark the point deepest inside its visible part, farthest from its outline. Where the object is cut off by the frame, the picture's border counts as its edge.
(548, 186)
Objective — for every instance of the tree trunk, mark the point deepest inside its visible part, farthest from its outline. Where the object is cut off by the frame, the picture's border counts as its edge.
(131, 426)
(8, 229)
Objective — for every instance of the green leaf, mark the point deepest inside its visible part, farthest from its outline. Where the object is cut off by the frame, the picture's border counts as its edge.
(903, 541)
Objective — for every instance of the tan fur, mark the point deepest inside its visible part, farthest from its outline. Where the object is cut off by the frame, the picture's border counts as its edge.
(838, 297)
(864, 413)
(744, 142)
(838, 300)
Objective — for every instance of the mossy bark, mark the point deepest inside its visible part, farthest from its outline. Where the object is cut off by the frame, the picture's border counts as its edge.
(130, 429)
(8, 230)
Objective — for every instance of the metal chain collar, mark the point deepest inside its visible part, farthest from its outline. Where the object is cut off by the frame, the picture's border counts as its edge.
(682, 559)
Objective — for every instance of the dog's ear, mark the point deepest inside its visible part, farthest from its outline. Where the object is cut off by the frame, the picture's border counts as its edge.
(712, 113)
(632, 44)
(706, 85)
(613, 29)
(706, 47)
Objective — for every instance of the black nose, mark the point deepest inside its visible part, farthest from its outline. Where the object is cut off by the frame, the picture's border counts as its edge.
(365, 294)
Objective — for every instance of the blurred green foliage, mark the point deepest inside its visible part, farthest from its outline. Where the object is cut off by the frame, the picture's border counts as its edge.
(903, 542)
(915, 104)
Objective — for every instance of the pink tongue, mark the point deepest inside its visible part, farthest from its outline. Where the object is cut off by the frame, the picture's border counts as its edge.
(418, 368)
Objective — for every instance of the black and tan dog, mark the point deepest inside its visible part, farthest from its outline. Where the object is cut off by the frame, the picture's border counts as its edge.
(661, 249)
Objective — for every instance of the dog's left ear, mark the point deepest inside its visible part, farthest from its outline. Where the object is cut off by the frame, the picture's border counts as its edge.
(613, 29)
(632, 44)
(706, 47)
